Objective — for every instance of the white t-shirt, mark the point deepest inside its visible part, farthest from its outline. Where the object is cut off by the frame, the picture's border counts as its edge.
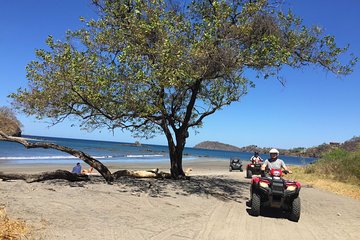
(277, 164)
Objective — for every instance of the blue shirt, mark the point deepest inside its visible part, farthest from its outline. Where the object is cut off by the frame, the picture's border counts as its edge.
(77, 169)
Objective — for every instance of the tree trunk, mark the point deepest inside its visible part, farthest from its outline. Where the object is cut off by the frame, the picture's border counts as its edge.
(176, 154)
(176, 165)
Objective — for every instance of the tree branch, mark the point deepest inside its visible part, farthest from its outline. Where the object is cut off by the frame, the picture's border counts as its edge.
(102, 169)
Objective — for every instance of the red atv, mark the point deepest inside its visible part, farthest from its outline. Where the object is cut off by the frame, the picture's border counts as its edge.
(275, 192)
(253, 168)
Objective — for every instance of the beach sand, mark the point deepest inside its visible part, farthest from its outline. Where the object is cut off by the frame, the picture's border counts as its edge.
(211, 205)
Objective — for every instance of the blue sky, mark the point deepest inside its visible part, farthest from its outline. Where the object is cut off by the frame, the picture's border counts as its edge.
(314, 107)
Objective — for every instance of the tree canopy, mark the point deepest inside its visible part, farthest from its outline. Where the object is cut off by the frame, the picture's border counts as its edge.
(157, 66)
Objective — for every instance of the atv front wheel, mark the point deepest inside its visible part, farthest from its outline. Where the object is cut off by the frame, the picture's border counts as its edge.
(295, 210)
(248, 174)
(255, 204)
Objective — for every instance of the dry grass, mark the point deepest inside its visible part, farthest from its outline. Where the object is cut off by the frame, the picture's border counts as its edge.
(325, 182)
(12, 229)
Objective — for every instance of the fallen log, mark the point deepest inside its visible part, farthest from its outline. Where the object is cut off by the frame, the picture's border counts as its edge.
(58, 174)
(96, 164)
(73, 177)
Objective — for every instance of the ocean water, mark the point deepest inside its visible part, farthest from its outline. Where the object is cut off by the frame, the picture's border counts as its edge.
(111, 152)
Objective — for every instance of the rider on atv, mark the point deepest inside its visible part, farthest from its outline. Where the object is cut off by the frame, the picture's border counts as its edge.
(274, 191)
(274, 162)
(254, 167)
(256, 158)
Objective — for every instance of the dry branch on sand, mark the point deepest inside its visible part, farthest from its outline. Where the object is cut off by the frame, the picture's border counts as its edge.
(58, 174)
(101, 168)
(73, 177)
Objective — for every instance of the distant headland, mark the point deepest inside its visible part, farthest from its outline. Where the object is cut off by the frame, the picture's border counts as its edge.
(350, 145)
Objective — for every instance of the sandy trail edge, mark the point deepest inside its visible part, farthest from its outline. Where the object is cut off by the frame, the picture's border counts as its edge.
(210, 206)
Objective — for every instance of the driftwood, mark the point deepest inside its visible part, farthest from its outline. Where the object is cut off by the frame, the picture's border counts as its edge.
(59, 174)
(73, 177)
(101, 168)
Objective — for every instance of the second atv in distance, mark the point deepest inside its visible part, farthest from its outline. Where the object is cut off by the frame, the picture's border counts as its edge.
(254, 168)
(235, 164)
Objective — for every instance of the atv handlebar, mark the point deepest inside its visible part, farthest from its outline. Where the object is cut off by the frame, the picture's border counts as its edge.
(263, 172)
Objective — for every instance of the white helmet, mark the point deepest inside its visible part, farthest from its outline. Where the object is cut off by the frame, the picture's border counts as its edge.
(274, 150)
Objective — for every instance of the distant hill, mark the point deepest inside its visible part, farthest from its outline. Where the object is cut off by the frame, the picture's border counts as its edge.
(350, 145)
(9, 123)
(216, 146)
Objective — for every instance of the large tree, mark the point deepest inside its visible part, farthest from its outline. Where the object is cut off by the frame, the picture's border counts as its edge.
(157, 66)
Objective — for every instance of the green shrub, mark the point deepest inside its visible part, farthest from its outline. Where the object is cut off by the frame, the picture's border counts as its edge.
(338, 164)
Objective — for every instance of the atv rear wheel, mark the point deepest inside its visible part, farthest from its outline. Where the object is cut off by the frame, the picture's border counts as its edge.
(295, 210)
(248, 174)
(255, 204)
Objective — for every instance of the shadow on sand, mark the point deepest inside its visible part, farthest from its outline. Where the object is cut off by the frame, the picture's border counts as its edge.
(219, 187)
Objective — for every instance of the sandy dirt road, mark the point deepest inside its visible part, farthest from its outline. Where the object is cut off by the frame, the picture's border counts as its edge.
(209, 206)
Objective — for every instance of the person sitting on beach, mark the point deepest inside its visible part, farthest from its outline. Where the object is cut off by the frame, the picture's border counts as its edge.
(256, 158)
(77, 168)
(274, 162)
(87, 171)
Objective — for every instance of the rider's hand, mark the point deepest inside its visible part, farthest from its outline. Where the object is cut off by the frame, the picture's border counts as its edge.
(290, 171)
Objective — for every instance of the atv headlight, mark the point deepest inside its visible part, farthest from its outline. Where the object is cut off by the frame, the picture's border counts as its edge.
(291, 188)
(264, 185)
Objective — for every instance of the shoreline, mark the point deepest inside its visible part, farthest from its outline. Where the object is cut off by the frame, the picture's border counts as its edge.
(210, 165)
(200, 163)
(107, 152)
(149, 163)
